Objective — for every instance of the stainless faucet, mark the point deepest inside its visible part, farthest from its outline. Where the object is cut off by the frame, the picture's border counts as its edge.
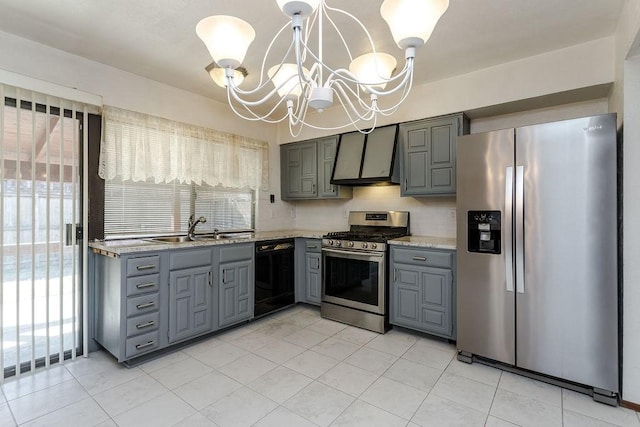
(192, 225)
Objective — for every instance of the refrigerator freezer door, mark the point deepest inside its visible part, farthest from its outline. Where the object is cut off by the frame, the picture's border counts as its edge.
(567, 316)
(485, 310)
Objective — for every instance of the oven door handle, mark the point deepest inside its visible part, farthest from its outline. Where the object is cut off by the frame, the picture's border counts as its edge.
(354, 255)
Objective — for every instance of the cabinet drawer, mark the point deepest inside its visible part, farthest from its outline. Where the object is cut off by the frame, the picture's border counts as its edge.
(188, 259)
(141, 344)
(142, 304)
(143, 265)
(142, 324)
(312, 245)
(240, 252)
(142, 284)
(422, 257)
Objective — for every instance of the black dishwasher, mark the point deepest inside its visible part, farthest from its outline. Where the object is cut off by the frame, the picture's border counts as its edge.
(275, 280)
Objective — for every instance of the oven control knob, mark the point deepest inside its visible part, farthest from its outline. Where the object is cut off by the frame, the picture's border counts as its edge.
(350, 244)
(338, 243)
(330, 242)
(364, 245)
(374, 246)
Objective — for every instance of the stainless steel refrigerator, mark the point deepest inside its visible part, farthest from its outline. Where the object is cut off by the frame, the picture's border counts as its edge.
(537, 250)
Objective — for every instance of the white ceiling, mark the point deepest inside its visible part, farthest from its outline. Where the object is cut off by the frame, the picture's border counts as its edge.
(156, 38)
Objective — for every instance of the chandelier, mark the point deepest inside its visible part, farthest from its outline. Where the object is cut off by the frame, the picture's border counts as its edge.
(301, 79)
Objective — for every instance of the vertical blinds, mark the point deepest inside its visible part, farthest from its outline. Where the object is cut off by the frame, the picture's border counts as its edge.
(41, 191)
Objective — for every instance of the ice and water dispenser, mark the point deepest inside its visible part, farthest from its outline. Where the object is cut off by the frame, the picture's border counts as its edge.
(483, 231)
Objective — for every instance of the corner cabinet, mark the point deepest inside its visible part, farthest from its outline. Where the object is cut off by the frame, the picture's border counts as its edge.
(309, 271)
(235, 277)
(305, 170)
(423, 292)
(428, 165)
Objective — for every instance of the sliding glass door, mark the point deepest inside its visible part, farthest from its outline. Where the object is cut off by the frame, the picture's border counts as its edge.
(40, 213)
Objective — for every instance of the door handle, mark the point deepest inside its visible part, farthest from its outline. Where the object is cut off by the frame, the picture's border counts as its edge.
(519, 229)
(508, 228)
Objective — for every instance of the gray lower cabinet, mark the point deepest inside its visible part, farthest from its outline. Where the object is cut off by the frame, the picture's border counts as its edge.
(422, 294)
(309, 271)
(428, 165)
(129, 304)
(306, 168)
(190, 292)
(235, 280)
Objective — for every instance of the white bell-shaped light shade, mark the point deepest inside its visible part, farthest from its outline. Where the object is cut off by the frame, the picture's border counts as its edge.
(301, 7)
(227, 38)
(218, 75)
(287, 79)
(412, 21)
(373, 69)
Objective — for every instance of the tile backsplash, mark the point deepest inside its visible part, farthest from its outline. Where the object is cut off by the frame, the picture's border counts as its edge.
(430, 216)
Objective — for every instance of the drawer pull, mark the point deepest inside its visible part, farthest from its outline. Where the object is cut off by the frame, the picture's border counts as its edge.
(145, 325)
(419, 258)
(147, 344)
(147, 305)
(145, 285)
(146, 267)
(312, 247)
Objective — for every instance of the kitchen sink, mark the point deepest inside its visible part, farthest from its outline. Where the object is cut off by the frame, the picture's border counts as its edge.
(171, 239)
(200, 237)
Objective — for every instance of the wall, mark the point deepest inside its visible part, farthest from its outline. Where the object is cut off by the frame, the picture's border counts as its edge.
(631, 245)
(122, 89)
(580, 66)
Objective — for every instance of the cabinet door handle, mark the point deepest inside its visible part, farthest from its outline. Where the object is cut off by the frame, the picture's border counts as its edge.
(145, 325)
(395, 271)
(145, 285)
(405, 184)
(419, 258)
(146, 267)
(147, 344)
(147, 305)
(210, 281)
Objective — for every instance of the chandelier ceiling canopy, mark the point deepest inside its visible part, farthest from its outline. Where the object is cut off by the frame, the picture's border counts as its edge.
(301, 78)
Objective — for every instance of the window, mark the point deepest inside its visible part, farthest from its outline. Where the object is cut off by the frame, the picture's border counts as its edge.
(158, 172)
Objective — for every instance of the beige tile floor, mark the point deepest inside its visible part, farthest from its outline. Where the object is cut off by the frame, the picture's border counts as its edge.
(296, 369)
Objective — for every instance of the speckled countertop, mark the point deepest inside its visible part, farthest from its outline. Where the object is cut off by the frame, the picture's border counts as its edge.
(426, 242)
(126, 246)
(120, 247)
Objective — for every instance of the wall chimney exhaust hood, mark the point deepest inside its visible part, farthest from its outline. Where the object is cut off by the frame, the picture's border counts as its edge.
(367, 159)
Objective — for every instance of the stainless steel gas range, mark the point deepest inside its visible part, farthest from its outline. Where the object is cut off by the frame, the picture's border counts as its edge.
(355, 266)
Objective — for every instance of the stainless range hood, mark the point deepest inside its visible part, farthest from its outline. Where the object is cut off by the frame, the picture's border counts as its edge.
(367, 159)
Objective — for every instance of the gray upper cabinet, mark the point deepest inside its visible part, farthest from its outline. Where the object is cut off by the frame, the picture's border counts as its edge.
(326, 157)
(299, 170)
(428, 165)
(305, 170)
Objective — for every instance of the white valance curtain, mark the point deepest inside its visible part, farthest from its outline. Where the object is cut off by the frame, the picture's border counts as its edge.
(139, 147)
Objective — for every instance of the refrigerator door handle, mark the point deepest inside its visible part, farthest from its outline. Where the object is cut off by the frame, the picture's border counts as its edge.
(508, 228)
(519, 229)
